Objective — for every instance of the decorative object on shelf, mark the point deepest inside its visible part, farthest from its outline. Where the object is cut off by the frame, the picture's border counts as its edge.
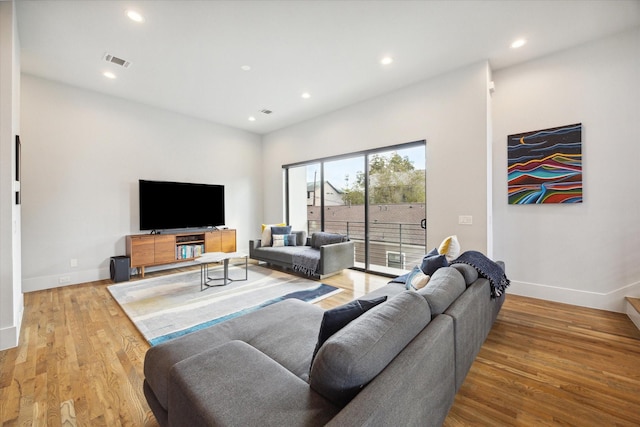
(545, 166)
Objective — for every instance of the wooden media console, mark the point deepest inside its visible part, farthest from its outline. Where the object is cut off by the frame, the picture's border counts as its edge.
(146, 250)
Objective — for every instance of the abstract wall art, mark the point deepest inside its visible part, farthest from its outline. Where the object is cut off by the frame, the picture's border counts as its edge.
(545, 166)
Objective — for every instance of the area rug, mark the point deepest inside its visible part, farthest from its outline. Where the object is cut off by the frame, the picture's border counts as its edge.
(167, 307)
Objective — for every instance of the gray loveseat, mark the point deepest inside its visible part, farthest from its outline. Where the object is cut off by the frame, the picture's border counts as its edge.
(399, 363)
(333, 257)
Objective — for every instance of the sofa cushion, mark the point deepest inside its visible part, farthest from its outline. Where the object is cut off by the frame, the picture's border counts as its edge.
(469, 273)
(433, 261)
(271, 330)
(322, 238)
(283, 255)
(337, 318)
(237, 384)
(444, 287)
(356, 354)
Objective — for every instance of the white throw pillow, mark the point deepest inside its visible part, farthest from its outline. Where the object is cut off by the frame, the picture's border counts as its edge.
(416, 279)
(450, 248)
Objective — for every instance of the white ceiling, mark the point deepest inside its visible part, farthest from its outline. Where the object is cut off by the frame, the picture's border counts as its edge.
(186, 56)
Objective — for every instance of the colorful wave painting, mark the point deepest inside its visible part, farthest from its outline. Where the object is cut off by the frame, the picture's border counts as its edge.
(545, 166)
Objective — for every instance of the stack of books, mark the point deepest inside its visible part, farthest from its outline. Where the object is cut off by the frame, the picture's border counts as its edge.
(189, 251)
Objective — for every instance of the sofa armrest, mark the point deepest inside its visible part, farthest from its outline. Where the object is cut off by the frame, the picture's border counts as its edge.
(336, 257)
(236, 384)
(253, 245)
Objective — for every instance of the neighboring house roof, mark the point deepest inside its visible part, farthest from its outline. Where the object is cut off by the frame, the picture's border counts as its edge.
(310, 187)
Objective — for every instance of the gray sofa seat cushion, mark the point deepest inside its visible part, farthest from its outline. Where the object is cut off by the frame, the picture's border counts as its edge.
(443, 288)
(286, 332)
(235, 384)
(283, 254)
(352, 357)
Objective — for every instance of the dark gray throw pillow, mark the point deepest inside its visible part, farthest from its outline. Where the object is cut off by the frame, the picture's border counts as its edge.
(337, 318)
(277, 230)
(433, 261)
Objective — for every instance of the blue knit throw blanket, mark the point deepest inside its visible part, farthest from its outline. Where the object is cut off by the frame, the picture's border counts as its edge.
(487, 269)
(306, 261)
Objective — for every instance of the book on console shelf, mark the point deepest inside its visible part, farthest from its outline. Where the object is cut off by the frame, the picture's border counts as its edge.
(189, 251)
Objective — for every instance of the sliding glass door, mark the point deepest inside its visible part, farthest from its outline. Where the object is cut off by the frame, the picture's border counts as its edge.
(376, 197)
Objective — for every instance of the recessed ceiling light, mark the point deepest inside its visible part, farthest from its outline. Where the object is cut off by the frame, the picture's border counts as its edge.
(109, 75)
(386, 60)
(252, 119)
(518, 43)
(245, 68)
(135, 16)
(306, 95)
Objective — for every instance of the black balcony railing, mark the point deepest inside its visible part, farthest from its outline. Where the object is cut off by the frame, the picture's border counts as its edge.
(392, 245)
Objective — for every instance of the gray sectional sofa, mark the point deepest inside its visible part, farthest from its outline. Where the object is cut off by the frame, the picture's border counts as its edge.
(333, 257)
(399, 363)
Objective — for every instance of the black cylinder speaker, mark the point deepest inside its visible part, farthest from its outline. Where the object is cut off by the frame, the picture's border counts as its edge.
(119, 268)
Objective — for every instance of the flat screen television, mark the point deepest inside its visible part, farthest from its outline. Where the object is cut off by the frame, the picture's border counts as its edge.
(176, 205)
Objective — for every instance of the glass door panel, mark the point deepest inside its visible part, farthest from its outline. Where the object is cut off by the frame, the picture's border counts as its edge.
(396, 209)
(343, 190)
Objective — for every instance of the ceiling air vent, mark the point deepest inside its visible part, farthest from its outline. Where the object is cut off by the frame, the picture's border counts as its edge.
(115, 60)
(265, 111)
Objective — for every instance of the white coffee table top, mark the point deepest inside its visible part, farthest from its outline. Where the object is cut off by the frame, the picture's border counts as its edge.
(219, 256)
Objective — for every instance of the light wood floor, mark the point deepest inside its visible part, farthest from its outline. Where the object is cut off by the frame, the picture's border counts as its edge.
(79, 362)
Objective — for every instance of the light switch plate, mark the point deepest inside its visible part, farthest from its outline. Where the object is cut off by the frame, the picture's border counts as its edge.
(465, 219)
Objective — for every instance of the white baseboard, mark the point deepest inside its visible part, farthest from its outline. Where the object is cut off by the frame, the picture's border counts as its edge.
(71, 278)
(610, 301)
(39, 283)
(9, 337)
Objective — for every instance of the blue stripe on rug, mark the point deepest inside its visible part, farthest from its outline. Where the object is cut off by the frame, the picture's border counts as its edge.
(308, 295)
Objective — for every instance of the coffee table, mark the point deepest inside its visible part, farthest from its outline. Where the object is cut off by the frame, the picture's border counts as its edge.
(224, 257)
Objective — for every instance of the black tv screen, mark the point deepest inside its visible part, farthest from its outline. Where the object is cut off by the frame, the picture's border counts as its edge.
(173, 205)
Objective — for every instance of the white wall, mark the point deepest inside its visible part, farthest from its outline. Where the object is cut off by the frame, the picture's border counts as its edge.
(83, 153)
(584, 254)
(449, 111)
(11, 298)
